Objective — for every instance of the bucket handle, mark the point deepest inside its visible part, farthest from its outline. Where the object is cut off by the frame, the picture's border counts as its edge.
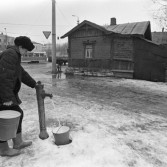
(58, 128)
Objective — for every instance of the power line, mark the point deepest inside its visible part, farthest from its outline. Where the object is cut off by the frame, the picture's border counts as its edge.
(63, 15)
(20, 33)
(16, 24)
(23, 24)
(39, 16)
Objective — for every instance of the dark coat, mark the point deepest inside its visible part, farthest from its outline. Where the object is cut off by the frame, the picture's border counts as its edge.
(11, 76)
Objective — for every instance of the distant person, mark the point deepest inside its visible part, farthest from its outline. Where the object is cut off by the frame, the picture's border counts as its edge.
(59, 64)
(59, 68)
(12, 75)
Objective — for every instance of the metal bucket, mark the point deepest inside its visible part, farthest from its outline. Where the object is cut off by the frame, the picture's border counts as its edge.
(61, 135)
(9, 121)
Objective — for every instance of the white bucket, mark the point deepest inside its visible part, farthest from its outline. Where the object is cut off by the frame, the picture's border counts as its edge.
(9, 121)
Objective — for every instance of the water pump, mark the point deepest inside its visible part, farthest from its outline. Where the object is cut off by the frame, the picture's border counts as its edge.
(40, 94)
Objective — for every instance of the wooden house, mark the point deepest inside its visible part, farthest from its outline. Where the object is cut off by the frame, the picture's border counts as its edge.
(120, 50)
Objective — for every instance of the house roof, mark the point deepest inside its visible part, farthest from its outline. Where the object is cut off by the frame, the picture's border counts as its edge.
(81, 24)
(129, 28)
(136, 28)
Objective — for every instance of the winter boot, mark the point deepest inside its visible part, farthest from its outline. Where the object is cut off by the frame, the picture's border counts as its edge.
(18, 142)
(5, 150)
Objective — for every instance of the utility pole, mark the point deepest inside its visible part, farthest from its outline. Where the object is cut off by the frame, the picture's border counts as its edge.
(54, 68)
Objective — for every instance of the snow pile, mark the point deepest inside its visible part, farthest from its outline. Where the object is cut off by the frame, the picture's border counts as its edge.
(102, 135)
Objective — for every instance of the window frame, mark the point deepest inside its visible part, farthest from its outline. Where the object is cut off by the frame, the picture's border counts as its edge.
(88, 51)
(89, 44)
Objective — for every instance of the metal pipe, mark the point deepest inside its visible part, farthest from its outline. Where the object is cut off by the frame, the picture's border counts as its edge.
(40, 93)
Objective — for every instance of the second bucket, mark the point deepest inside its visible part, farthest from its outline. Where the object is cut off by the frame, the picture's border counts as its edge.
(61, 135)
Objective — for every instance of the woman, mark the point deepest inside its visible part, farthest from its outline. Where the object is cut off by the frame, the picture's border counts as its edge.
(11, 76)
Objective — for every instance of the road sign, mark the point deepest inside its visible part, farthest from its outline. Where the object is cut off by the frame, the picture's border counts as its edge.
(47, 34)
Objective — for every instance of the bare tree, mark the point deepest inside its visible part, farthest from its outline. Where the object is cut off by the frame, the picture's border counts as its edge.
(160, 13)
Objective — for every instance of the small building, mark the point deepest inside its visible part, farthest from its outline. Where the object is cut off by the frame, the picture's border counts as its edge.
(160, 38)
(36, 55)
(5, 40)
(38, 47)
(120, 50)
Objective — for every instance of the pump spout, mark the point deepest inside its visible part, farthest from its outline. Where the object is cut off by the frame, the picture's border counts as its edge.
(43, 94)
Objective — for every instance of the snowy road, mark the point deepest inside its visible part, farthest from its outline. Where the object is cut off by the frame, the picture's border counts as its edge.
(114, 122)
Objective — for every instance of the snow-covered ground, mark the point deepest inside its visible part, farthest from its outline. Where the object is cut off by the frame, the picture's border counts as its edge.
(113, 122)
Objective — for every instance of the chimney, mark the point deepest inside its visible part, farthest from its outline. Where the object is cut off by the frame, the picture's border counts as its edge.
(113, 21)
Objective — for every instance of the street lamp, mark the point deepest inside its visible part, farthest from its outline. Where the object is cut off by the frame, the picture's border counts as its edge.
(77, 18)
(6, 38)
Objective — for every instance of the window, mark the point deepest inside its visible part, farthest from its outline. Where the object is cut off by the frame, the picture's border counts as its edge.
(30, 54)
(88, 51)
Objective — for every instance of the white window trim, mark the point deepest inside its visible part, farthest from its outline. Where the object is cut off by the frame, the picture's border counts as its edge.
(88, 51)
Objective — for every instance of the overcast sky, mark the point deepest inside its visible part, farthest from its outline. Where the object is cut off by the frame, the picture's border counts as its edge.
(32, 17)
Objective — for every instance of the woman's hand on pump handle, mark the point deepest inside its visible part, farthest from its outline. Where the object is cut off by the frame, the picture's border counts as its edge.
(9, 103)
